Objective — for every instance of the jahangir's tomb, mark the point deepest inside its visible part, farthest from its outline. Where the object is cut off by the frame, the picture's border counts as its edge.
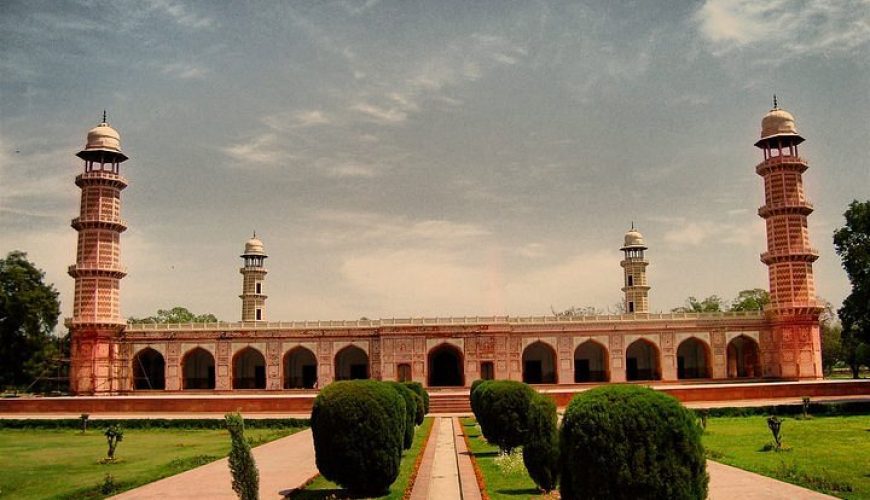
(110, 356)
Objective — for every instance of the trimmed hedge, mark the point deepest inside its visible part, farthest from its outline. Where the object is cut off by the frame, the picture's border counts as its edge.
(359, 428)
(474, 395)
(418, 388)
(152, 423)
(419, 406)
(627, 442)
(503, 407)
(541, 449)
(410, 398)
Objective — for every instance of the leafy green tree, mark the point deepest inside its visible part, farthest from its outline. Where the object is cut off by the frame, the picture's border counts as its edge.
(175, 315)
(29, 310)
(852, 242)
(751, 300)
(713, 303)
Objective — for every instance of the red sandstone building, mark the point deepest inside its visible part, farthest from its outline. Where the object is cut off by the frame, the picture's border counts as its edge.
(110, 356)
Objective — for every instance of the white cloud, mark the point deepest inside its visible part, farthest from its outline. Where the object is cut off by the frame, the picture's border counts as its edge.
(262, 150)
(380, 115)
(180, 14)
(311, 117)
(351, 170)
(184, 71)
(703, 233)
(786, 28)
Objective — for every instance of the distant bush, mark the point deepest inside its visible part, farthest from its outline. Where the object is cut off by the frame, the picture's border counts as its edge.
(418, 388)
(474, 395)
(246, 478)
(626, 442)
(410, 398)
(152, 423)
(541, 449)
(358, 429)
(503, 408)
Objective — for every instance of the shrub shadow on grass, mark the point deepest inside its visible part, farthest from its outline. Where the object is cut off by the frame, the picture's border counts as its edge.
(486, 454)
(521, 492)
(333, 493)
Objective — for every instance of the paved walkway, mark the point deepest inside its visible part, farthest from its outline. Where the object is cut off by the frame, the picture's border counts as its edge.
(728, 482)
(284, 464)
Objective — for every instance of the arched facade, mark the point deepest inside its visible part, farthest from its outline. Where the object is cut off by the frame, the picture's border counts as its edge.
(591, 363)
(197, 368)
(445, 363)
(149, 370)
(744, 360)
(352, 363)
(300, 369)
(539, 364)
(643, 361)
(249, 369)
(693, 359)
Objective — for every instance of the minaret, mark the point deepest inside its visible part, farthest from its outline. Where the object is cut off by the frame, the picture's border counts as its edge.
(96, 320)
(793, 349)
(253, 274)
(634, 264)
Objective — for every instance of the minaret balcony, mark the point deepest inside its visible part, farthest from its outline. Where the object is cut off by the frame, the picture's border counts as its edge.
(119, 225)
(101, 178)
(96, 270)
(788, 208)
(790, 254)
(772, 164)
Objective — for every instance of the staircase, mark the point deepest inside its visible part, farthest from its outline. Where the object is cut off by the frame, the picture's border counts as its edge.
(449, 401)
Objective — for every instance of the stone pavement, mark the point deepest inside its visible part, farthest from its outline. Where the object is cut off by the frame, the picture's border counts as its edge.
(284, 464)
(728, 482)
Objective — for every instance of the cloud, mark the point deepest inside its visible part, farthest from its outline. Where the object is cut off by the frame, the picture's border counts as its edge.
(351, 170)
(702, 233)
(262, 150)
(380, 115)
(783, 29)
(184, 71)
(312, 117)
(180, 14)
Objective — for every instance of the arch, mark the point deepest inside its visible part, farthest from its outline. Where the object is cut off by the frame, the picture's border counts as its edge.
(643, 361)
(351, 363)
(300, 369)
(539, 364)
(591, 363)
(445, 362)
(197, 368)
(249, 369)
(149, 370)
(744, 360)
(693, 359)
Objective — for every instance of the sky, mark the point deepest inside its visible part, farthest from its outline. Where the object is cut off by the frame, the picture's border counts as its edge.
(448, 158)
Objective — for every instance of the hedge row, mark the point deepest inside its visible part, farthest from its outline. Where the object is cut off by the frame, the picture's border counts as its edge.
(151, 423)
(821, 408)
(360, 429)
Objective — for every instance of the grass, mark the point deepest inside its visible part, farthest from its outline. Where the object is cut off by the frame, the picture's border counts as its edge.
(501, 482)
(322, 488)
(65, 463)
(827, 454)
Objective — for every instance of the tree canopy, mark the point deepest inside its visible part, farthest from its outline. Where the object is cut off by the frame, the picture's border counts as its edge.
(29, 310)
(852, 242)
(175, 315)
(713, 303)
(751, 300)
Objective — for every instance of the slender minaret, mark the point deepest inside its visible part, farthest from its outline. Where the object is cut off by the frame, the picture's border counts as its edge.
(96, 319)
(253, 274)
(634, 264)
(793, 348)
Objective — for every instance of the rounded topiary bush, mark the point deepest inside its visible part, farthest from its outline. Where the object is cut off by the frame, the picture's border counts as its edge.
(358, 428)
(418, 388)
(625, 441)
(474, 395)
(410, 410)
(503, 406)
(541, 449)
(421, 411)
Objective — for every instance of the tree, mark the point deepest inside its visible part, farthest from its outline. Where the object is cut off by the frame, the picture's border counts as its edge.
(246, 478)
(29, 310)
(831, 332)
(175, 315)
(751, 300)
(852, 242)
(573, 312)
(713, 303)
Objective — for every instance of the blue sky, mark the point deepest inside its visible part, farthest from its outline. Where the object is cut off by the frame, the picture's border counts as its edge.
(429, 158)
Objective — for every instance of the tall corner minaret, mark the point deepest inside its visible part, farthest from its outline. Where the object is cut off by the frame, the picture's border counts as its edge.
(96, 319)
(634, 264)
(793, 348)
(253, 274)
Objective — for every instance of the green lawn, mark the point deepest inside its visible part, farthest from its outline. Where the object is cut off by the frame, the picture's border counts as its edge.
(827, 454)
(65, 463)
(320, 488)
(501, 482)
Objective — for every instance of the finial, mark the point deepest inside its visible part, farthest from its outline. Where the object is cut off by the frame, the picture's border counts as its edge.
(104, 116)
(774, 102)
(632, 225)
(255, 233)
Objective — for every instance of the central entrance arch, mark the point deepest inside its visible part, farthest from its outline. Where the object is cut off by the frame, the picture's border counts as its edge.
(148, 370)
(351, 363)
(693, 360)
(249, 369)
(743, 358)
(197, 370)
(445, 367)
(300, 369)
(590, 363)
(539, 364)
(642, 361)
